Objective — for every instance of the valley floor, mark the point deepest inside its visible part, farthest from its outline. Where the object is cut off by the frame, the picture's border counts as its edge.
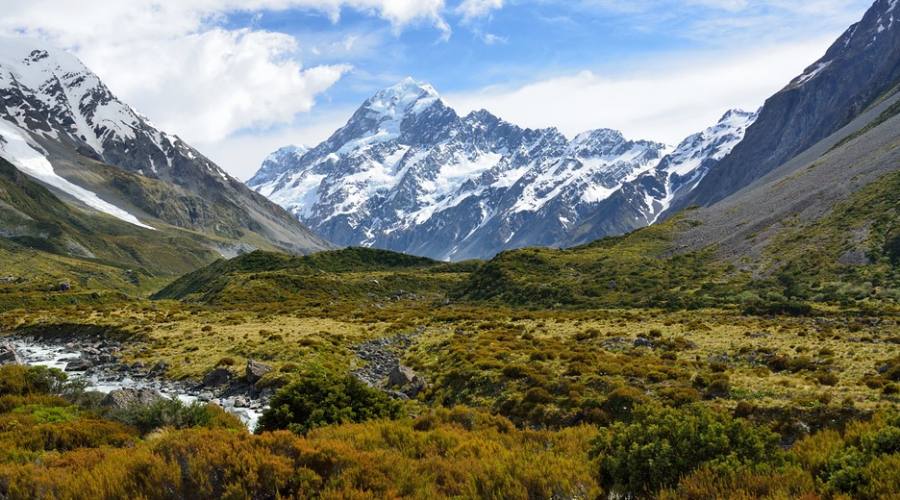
(513, 403)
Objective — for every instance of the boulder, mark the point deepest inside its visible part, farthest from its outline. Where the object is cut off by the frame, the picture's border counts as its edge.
(404, 377)
(79, 365)
(124, 398)
(8, 355)
(643, 342)
(159, 369)
(256, 371)
(216, 378)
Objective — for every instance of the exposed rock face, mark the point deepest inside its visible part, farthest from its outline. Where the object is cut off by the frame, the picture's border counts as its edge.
(256, 370)
(406, 380)
(8, 355)
(217, 377)
(125, 398)
(861, 66)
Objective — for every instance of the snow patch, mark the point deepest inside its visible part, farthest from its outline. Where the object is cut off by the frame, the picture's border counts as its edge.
(16, 149)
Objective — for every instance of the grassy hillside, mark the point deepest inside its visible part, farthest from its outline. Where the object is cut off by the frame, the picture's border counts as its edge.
(846, 258)
(34, 217)
(348, 277)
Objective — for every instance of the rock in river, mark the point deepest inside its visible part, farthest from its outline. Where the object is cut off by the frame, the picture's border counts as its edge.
(124, 398)
(79, 365)
(216, 378)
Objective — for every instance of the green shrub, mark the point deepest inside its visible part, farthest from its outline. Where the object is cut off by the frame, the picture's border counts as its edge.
(662, 445)
(892, 248)
(174, 413)
(855, 466)
(316, 400)
(20, 380)
(621, 402)
(778, 307)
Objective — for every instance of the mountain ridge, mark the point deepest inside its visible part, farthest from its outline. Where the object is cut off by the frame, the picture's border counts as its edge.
(858, 68)
(408, 173)
(65, 128)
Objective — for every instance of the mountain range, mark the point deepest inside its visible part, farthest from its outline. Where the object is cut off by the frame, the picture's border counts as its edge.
(407, 173)
(86, 176)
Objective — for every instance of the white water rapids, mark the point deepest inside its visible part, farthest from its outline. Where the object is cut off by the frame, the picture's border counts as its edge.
(57, 355)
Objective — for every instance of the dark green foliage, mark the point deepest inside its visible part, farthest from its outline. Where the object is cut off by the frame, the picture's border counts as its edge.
(19, 380)
(174, 413)
(348, 274)
(318, 400)
(863, 464)
(892, 248)
(662, 445)
(778, 307)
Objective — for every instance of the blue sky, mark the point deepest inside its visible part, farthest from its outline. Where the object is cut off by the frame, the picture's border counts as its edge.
(240, 78)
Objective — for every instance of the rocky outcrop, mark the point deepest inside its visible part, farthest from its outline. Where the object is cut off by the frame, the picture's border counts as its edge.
(256, 371)
(125, 398)
(406, 380)
(382, 367)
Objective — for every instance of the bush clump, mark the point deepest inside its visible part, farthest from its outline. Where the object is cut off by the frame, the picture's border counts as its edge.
(21, 380)
(316, 400)
(662, 445)
(173, 413)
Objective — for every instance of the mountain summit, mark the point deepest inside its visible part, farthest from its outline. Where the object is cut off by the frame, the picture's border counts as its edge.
(63, 127)
(408, 173)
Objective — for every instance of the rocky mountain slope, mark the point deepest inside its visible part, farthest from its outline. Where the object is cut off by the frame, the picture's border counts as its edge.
(407, 173)
(858, 69)
(642, 201)
(60, 125)
(36, 219)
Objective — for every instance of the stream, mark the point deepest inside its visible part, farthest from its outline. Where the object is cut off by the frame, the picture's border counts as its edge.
(109, 377)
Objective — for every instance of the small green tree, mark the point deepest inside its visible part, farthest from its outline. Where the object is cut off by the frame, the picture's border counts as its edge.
(318, 400)
(661, 445)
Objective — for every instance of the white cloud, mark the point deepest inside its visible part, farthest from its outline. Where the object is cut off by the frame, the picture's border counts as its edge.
(174, 62)
(472, 9)
(208, 85)
(667, 102)
(242, 154)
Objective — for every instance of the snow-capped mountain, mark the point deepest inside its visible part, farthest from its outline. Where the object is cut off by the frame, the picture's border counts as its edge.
(278, 162)
(644, 200)
(52, 94)
(680, 172)
(408, 173)
(62, 126)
